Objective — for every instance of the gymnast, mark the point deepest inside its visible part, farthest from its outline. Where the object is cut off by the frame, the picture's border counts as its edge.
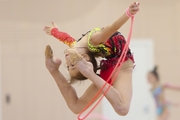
(104, 42)
(162, 105)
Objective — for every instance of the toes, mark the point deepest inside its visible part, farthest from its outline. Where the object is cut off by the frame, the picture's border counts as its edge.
(48, 52)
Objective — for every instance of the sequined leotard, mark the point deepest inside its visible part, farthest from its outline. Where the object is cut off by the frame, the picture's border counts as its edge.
(111, 51)
(160, 105)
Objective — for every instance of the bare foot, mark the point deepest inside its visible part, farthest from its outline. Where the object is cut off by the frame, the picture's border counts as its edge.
(48, 52)
(52, 64)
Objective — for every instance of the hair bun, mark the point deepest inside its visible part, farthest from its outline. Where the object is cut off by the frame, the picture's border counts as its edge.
(155, 69)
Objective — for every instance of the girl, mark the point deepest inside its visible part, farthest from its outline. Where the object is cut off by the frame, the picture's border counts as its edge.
(157, 89)
(80, 59)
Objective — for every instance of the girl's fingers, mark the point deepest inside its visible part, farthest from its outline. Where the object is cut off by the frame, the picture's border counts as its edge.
(135, 9)
(54, 25)
(47, 27)
(135, 4)
(44, 28)
(47, 30)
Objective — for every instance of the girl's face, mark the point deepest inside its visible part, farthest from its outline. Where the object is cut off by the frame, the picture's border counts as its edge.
(151, 78)
(71, 59)
(73, 71)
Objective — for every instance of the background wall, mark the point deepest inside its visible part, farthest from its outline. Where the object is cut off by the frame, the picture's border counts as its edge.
(28, 90)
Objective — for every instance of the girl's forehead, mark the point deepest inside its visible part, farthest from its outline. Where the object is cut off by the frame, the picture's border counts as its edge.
(69, 50)
(76, 49)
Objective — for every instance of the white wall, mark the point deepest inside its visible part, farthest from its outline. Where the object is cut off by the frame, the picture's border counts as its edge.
(0, 88)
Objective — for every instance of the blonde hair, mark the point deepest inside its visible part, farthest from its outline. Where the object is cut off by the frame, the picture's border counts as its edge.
(81, 77)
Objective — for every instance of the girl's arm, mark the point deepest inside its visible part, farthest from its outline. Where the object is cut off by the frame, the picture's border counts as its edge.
(119, 95)
(61, 36)
(171, 86)
(100, 37)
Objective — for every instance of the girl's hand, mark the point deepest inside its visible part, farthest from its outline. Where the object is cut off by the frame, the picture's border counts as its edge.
(75, 59)
(85, 67)
(134, 8)
(72, 57)
(52, 64)
(48, 29)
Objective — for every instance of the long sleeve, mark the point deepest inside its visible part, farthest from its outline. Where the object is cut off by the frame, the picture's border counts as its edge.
(63, 37)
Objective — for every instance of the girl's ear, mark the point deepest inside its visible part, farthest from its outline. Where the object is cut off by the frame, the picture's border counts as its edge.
(86, 57)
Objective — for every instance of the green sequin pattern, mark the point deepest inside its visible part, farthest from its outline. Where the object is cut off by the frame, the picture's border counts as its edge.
(101, 47)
